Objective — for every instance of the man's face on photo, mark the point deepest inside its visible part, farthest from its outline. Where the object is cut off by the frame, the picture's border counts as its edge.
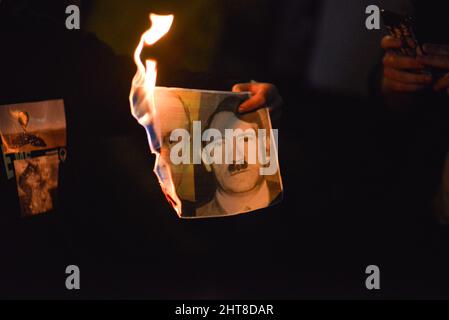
(240, 176)
(171, 116)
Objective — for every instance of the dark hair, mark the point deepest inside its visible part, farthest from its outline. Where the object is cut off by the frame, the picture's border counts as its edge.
(232, 104)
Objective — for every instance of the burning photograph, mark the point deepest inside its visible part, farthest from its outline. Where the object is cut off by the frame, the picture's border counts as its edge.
(174, 118)
(189, 135)
(32, 127)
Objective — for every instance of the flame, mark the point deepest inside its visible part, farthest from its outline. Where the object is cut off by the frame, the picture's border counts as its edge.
(161, 26)
(146, 77)
(142, 100)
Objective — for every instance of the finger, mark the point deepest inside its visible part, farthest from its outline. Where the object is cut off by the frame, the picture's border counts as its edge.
(435, 61)
(263, 95)
(258, 101)
(397, 86)
(399, 62)
(442, 83)
(407, 77)
(436, 49)
(388, 42)
(255, 102)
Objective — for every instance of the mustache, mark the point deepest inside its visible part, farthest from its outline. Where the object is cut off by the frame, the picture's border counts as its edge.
(235, 167)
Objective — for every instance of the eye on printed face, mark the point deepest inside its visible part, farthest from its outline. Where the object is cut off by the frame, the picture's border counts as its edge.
(242, 175)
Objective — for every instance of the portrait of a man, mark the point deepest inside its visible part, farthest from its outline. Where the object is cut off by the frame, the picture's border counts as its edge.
(239, 183)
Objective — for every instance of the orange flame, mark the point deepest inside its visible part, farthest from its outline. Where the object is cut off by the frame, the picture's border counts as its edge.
(142, 100)
(146, 77)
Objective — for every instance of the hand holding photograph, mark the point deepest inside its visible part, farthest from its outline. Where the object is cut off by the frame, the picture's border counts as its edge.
(211, 160)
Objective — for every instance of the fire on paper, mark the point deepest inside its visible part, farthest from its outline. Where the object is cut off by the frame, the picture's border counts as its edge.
(211, 161)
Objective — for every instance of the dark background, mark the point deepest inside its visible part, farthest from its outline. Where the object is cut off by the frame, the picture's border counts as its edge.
(352, 195)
